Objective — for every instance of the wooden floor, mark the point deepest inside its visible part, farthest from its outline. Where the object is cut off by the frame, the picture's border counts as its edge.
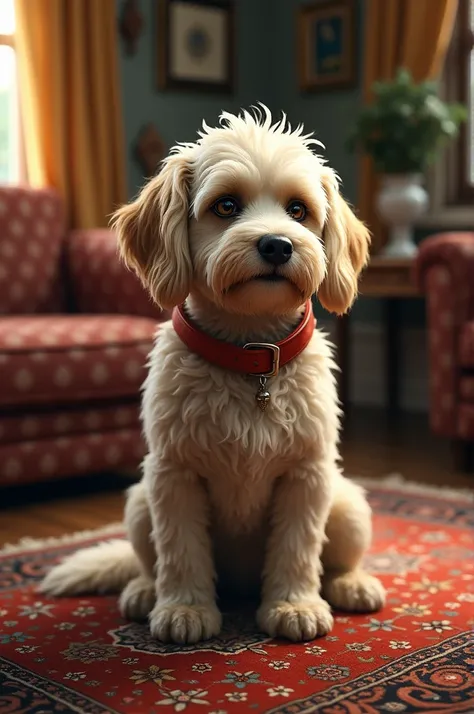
(372, 446)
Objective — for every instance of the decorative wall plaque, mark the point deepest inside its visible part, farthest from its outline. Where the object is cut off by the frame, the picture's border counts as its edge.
(150, 149)
(131, 25)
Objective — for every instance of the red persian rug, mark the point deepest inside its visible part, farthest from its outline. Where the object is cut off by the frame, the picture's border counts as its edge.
(78, 655)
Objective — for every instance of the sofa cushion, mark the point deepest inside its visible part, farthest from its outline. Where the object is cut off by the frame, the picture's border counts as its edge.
(100, 282)
(51, 359)
(45, 459)
(466, 345)
(31, 235)
(43, 423)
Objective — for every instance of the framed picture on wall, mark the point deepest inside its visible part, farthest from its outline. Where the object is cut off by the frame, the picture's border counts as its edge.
(196, 44)
(326, 44)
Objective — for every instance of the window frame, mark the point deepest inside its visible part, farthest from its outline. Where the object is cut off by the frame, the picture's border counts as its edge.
(8, 40)
(462, 52)
(451, 193)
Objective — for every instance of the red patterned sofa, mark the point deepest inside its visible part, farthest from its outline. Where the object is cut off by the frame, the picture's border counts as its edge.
(445, 271)
(75, 331)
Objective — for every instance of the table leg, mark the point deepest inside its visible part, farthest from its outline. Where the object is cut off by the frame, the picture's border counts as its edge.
(392, 355)
(343, 359)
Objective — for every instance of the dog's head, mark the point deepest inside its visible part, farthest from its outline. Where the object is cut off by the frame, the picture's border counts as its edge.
(250, 218)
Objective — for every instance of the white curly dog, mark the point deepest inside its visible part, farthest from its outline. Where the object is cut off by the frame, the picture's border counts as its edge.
(240, 228)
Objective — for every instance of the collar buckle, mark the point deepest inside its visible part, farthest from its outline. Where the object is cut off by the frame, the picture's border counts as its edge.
(275, 351)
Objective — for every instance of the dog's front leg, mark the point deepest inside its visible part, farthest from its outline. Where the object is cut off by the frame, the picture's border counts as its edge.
(291, 603)
(185, 610)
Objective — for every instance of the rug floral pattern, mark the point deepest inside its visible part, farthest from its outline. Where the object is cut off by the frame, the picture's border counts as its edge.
(417, 655)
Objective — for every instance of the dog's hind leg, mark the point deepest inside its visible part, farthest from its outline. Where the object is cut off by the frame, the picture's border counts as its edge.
(138, 597)
(345, 585)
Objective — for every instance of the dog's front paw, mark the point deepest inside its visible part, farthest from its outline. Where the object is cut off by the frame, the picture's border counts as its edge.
(138, 598)
(185, 624)
(356, 591)
(297, 621)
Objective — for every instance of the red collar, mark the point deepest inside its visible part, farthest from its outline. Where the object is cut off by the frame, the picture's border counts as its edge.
(257, 358)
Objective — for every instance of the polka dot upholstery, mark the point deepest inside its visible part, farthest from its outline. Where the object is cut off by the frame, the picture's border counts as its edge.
(72, 358)
(100, 282)
(75, 331)
(32, 230)
(44, 459)
(445, 270)
(77, 420)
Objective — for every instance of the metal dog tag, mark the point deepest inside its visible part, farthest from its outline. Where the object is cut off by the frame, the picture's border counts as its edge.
(263, 395)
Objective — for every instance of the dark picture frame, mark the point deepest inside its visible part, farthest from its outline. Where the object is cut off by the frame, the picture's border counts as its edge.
(327, 45)
(196, 45)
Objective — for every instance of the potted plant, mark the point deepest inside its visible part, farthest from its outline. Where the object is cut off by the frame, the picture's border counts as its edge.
(403, 131)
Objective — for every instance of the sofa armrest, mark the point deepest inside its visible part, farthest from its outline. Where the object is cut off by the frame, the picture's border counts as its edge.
(100, 283)
(455, 253)
(444, 270)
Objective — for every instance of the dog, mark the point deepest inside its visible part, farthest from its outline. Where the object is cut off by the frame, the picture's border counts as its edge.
(242, 489)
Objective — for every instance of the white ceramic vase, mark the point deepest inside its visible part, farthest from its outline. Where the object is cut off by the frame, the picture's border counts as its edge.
(401, 201)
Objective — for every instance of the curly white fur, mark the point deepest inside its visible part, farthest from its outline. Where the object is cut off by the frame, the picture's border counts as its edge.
(254, 500)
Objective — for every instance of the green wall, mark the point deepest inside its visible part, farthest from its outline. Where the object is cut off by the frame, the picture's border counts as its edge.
(178, 114)
(266, 71)
(328, 113)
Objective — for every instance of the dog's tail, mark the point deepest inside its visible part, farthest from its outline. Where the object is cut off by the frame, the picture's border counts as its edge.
(104, 568)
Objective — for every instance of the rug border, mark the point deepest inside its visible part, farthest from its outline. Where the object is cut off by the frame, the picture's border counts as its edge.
(390, 482)
(404, 664)
(397, 481)
(28, 544)
(42, 684)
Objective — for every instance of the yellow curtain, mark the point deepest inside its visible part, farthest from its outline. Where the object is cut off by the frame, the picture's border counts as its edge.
(71, 107)
(414, 34)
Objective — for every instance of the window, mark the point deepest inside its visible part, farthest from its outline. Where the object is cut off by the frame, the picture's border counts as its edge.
(452, 183)
(9, 115)
(459, 75)
(466, 62)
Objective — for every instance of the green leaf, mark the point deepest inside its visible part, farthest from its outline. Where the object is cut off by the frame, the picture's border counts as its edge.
(406, 125)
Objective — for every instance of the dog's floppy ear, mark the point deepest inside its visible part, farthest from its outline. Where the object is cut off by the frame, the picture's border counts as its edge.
(346, 241)
(153, 232)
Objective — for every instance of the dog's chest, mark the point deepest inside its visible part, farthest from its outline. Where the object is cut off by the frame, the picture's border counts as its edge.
(213, 421)
(208, 419)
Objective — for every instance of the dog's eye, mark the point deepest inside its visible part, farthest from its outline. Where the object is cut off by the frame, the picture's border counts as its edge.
(226, 207)
(297, 210)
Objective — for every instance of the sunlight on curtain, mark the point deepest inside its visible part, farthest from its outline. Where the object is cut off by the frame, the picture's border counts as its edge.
(71, 105)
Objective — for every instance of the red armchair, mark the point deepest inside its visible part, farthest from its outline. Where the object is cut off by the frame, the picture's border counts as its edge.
(445, 271)
(75, 331)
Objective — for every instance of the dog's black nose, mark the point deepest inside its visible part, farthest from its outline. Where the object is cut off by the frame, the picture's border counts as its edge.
(275, 249)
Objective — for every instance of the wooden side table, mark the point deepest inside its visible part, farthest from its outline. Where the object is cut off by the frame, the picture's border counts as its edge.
(390, 280)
